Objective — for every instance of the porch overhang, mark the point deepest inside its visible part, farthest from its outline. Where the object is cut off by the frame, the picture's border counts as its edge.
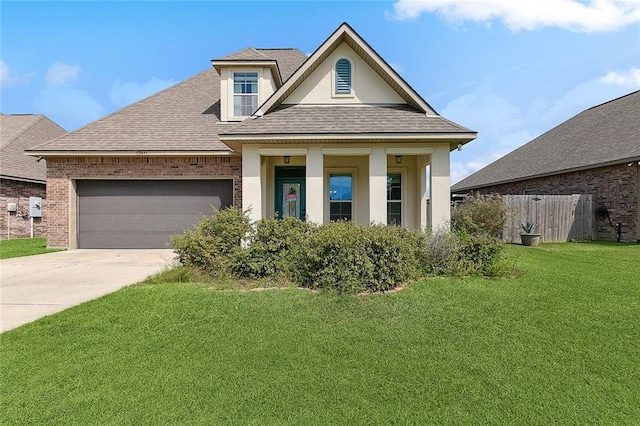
(454, 140)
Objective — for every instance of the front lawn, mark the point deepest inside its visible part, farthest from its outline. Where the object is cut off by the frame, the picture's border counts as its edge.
(24, 247)
(557, 345)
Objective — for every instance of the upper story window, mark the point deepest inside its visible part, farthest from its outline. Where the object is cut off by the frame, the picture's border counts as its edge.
(245, 93)
(343, 77)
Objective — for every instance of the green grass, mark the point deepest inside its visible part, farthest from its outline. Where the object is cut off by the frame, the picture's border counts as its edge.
(24, 247)
(557, 345)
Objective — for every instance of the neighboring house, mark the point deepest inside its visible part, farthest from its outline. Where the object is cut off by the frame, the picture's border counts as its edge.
(596, 152)
(336, 135)
(22, 176)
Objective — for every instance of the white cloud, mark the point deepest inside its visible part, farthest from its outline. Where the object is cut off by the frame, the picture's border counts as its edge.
(126, 92)
(583, 16)
(8, 78)
(68, 106)
(630, 78)
(61, 73)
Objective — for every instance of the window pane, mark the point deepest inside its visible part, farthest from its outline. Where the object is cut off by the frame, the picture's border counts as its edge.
(340, 210)
(394, 186)
(394, 220)
(340, 187)
(395, 208)
(245, 82)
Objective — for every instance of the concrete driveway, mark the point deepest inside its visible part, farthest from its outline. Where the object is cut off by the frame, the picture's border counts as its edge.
(36, 286)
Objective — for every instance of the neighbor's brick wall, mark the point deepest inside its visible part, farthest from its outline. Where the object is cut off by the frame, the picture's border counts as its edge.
(61, 170)
(13, 191)
(615, 187)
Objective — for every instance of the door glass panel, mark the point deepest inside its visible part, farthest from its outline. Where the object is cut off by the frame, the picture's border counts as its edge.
(291, 199)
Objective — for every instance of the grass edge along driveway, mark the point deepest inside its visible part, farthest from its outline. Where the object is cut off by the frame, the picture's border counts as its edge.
(558, 345)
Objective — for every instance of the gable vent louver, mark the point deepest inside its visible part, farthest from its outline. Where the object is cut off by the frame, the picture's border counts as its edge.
(343, 76)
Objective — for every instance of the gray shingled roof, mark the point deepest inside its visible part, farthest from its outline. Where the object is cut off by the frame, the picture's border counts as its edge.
(288, 59)
(345, 119)
(184, 117)
(604, 134)
(20, 132)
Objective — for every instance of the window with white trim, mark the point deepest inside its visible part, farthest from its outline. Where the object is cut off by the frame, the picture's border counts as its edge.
(245, 93)
(340, 196)
(394, 199)
(343, 77)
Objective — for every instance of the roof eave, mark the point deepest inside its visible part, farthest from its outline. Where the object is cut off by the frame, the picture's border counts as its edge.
(440, 137)
(218, 65)
(23, 179)
(148, 153)
(542, 175)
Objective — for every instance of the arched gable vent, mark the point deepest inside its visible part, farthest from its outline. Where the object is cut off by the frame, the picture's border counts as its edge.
(343, 76)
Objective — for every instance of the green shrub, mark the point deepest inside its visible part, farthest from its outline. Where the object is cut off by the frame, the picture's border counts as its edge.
(215, 244)
(347, 258)
(270, 250)
(339, 256)
(442, 252)
(480, 214)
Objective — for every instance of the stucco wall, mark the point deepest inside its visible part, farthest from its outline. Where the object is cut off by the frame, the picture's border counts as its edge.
(12, 191)
(367, 86)
(62, 172)
(615, 187)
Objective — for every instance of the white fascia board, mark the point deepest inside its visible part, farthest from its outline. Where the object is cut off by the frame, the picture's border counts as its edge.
(277, 152)
(346, 151)
(409, 151)
(325, 136)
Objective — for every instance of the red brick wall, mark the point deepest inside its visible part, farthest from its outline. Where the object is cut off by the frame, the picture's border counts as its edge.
(13, 191)
(61, 170)
(615, 187)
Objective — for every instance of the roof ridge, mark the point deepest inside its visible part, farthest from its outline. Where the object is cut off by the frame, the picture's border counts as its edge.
(23, 131)
(612, 100)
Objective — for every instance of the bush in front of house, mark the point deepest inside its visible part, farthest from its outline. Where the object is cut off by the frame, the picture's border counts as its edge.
(270, 250)
(348, 258)
(338, 256)
(215, 243)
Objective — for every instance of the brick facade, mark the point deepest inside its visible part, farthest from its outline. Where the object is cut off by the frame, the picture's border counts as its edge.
(13, 191)
(615, 187)
(61, 171)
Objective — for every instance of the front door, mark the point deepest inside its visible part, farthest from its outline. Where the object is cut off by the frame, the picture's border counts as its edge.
(290, 192)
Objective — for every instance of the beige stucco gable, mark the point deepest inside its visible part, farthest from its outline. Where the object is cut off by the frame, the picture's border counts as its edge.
(367, 85)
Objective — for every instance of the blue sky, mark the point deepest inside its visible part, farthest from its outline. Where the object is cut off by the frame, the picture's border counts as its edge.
(510, 70)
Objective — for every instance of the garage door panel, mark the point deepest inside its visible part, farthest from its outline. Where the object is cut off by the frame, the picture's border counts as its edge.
(143, 223)
(150, 205)
(144, 214)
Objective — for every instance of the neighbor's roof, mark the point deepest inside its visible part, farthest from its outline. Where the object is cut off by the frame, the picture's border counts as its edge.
(182, 118)
(345, 120)
(17, 133)
(605, 134)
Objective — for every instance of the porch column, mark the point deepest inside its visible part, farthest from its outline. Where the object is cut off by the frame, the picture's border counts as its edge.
(315, 185)
(378, 186)
(252, 182)
(440, 188)
(421, 166)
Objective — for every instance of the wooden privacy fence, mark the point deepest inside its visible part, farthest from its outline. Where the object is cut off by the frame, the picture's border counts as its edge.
(557, 218)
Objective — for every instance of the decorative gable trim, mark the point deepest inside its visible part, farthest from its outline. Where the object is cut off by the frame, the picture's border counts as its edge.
(346, 34)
